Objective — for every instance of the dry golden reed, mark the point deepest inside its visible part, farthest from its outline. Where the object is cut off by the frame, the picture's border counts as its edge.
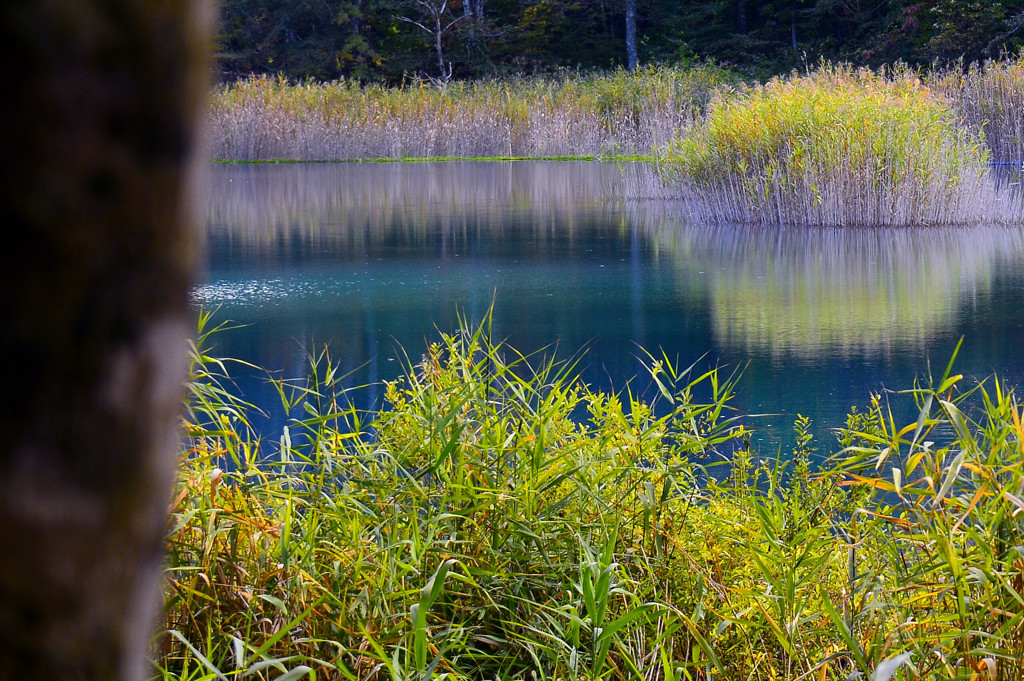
(571, 115)
(835, 147)
(989, 96)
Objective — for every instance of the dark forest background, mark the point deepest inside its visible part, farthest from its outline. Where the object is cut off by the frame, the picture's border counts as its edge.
(397, 40)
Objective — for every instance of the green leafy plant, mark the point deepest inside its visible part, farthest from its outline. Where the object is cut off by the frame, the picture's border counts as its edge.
(478, 527)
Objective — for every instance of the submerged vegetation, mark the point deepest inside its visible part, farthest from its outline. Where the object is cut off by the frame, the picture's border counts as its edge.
(499, 520)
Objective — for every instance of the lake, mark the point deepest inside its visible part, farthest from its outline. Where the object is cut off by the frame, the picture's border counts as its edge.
(373, 258)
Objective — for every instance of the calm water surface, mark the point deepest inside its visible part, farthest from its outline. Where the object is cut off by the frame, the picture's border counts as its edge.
(370, 258)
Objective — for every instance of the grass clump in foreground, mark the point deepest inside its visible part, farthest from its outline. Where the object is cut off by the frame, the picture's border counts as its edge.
(475, 530)
(835, 147)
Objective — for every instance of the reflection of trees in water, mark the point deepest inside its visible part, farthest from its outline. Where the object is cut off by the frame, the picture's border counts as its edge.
(359, 205)
(799, 292)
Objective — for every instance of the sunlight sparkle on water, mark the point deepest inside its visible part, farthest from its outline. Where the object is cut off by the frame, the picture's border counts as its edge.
(256, 292)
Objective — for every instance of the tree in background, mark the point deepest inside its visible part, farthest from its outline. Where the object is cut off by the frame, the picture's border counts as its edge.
(476, 30)
(632, 53)
(364, 39)
(358, 57)
(299, 38)
(437, 18)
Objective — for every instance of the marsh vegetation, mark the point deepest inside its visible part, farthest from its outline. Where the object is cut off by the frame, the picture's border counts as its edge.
(615, 114)
(571, 114)
(498, 517)
(835, 146)
(478, 528)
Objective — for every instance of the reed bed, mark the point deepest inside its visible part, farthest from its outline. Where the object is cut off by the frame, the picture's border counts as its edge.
(988, 96)
(571, 115)
(500, 520)
(835, 147)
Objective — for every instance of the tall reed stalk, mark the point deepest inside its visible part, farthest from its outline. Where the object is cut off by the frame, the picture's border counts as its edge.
(988, 95)
(936, 578)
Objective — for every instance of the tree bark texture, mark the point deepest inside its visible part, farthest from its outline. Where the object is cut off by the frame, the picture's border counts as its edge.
(99, 128)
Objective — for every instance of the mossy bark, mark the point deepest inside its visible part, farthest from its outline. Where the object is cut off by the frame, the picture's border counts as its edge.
(98, 131)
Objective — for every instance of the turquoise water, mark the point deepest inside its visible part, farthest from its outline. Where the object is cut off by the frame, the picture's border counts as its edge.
(371, 259)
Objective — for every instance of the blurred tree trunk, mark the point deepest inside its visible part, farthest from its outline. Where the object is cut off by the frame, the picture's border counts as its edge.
(102, 108)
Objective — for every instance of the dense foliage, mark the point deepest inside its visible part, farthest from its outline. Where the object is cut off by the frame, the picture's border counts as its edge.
(499, 520)
(567, 115)
(835, 147)
(394, 40)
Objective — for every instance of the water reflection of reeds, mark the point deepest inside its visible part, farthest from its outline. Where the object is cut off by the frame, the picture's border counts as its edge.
(363, 254)
(782, 292)
(799, 292)
(267, 206)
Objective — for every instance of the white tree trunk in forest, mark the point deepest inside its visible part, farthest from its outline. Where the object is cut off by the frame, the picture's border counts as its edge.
(632, 52)
(437, 25)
